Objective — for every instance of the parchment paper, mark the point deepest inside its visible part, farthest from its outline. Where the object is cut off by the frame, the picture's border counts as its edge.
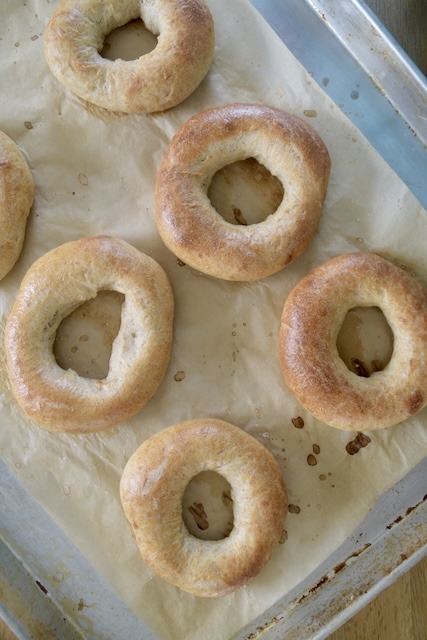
(96, 175)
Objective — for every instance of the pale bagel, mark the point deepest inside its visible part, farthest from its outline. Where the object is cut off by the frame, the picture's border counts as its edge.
(16, 199)
(54, 286)
(312, 317)
(195, 232)
(157, 80)
(152, 488)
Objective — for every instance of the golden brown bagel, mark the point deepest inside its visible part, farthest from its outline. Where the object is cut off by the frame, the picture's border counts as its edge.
(312, 317)
(157, 80)
(195, 232)
(152, 489)
(16, 199)
(54, 286)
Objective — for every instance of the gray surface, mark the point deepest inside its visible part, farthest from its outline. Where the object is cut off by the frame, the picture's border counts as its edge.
(53, 588)
(406, 20)
(365, 73)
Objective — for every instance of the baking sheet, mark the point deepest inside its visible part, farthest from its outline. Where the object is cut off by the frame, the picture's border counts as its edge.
(96, 175)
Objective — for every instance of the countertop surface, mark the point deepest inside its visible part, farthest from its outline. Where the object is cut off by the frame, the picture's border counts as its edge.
(406, 20)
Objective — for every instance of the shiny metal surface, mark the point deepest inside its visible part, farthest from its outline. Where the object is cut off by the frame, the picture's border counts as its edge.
(365, 72)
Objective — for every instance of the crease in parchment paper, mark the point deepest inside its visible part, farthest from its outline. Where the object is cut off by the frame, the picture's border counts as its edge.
(96, 175)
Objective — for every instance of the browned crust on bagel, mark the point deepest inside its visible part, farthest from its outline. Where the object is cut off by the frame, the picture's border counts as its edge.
(158, 80)
(152, 489)
(205, 127)
(58, 282)
(311, 319)
(16, 199)
(197, 234)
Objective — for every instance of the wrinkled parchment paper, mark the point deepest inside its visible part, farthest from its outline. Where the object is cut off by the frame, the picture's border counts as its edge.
(96, 175)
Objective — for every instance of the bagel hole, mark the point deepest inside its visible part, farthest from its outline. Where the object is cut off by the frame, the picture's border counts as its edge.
(365, 341)
(129, 42)
(207, 506)
(245, 192)
(84, 339)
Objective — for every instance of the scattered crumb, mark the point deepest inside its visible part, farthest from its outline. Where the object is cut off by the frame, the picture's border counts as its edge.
(293, 508)
(298, 422)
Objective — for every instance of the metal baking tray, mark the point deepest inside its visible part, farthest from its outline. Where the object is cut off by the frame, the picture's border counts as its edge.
(366, 73)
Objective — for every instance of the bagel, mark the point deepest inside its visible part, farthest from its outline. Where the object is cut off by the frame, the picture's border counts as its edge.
(56, 284)
(152, 487)
(16, 200)
(157, 80)
(195, 232)
(311, 320)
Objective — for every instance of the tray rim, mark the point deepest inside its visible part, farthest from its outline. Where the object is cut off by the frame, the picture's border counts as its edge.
(388, 542)
(396, 126)
(381, 56)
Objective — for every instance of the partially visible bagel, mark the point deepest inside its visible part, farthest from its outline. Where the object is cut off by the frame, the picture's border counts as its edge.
(16, 200)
